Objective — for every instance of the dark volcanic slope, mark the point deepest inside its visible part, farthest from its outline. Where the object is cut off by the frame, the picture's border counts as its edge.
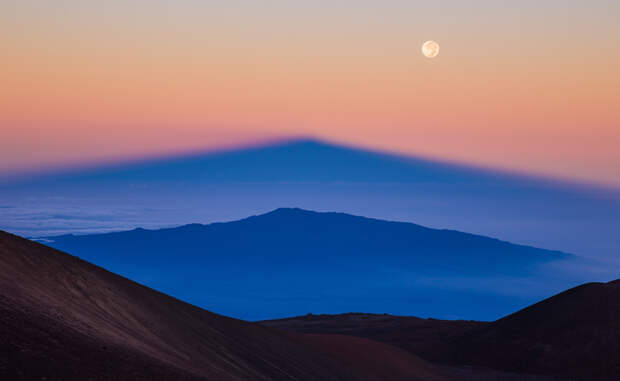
(63, 318)
(574, 334)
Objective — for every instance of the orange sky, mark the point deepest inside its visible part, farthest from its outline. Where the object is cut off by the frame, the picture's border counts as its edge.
(534, 88)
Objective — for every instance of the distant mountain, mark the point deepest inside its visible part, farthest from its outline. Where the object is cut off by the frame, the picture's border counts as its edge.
(64, 319)
(229, 185)
(292, 261)
(575, 334)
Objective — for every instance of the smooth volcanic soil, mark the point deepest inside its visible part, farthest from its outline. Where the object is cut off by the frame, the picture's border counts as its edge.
(65, 319)
(427, 338)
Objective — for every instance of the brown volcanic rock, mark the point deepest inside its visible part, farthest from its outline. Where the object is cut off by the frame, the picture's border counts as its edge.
(427, 338)
(65, 319)
(424, 336)
(374, 360)
(575, 333)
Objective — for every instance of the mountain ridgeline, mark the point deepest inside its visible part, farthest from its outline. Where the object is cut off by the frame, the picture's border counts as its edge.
(232, 184)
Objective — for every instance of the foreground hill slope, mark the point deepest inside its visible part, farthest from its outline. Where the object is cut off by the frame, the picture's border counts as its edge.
(574, 334)
(277, 263)
(63, 318)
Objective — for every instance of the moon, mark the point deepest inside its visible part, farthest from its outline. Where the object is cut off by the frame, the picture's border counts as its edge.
(430, 49)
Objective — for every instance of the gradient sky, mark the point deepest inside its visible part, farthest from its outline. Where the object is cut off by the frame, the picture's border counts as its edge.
(533, 87)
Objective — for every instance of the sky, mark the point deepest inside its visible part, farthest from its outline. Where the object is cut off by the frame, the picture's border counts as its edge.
(533, 86)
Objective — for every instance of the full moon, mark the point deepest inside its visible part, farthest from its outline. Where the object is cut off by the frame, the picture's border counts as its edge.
(430, 49)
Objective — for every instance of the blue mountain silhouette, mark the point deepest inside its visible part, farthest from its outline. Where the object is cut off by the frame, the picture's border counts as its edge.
(293, 261)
